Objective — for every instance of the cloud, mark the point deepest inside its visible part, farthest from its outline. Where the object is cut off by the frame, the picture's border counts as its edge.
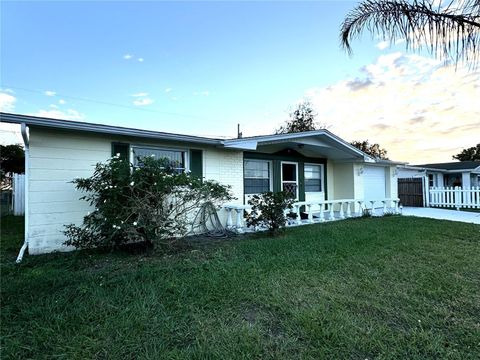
(167, 90)
(62, 102)
(69, 114)
(7, 101)
(381, 127)
(382, 45)
(406, 103)
(417, 120)
(50, 93)
(140, 59)
(127, 56)
(142, 101)
(140, 94)
(202, 93)
(359, 84)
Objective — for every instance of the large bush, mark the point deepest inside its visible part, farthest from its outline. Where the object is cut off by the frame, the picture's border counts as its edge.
(268, 210)
(151, 203)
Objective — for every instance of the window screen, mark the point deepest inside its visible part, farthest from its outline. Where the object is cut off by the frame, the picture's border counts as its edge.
(256, 176)
(177, 158)
(313, 178)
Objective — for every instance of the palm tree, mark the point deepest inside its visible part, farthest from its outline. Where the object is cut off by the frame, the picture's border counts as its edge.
(449, 31)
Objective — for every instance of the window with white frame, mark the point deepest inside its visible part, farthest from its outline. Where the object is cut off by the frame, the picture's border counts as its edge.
(257, 176)
(430, 180)
(177, 158)
(313, 178)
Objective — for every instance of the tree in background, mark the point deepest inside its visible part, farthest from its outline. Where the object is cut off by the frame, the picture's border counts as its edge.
(373, 150)
(303, 118)
(12, 159)
(469, 154)
(449, 31)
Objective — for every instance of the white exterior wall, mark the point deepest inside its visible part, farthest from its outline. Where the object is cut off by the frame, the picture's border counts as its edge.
(409, 173)
(475, 179)
(226, 167)
(466, 181)
(343, 180)
(359, 185)
(330, 180)
(391, 177)
(55, 160)
(58, 157)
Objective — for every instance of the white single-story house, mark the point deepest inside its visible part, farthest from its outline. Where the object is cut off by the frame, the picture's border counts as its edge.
(465, 174)
(315, 166)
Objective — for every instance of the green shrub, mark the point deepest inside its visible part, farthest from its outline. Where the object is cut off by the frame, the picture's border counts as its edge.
(152, 203)
(268, 210)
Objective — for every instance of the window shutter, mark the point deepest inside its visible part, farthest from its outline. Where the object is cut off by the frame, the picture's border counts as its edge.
(196, 163)
(121, 148)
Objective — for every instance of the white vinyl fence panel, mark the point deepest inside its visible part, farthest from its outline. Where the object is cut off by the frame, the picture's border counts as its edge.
(455, 197)
(18, 197)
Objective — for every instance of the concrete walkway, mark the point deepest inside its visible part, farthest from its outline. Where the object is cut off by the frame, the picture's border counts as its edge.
(442, 214)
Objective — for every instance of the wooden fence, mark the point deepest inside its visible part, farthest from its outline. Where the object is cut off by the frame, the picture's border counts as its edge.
(411, 192)
(455, 197)
(18, 198)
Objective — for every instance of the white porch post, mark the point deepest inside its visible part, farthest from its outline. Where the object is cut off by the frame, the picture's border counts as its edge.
(297, 212)
(466, 183)
(229, 218)
(239, 220)
(341, 214)
(322, 214)
(310, 214)
(331, 215)
(360, 203)
(349, 206)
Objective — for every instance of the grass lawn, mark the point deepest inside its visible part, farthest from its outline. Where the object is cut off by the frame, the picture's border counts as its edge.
(376, 288)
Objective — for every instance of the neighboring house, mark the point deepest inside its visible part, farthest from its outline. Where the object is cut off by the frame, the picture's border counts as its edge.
(313, 166)
(452, 174)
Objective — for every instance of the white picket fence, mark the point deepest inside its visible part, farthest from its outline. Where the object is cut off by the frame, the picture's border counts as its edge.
(455, 197)
(18, 198)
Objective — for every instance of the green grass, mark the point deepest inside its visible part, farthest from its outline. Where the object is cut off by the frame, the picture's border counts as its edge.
(376, 288)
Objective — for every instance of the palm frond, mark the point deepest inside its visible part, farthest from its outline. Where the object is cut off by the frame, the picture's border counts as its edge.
(449, 32)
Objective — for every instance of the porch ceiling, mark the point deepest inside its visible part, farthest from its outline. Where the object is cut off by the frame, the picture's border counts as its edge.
(318, 144)
(315, 151)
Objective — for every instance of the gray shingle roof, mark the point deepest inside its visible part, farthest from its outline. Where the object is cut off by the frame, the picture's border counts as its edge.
(457, 165)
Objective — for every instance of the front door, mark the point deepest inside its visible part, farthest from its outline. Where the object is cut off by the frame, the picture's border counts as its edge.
(290, 178)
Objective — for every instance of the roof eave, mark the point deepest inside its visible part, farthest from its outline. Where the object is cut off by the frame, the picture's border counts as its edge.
(102, 129)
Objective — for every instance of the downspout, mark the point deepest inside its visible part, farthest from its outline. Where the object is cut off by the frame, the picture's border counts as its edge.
(26, 141)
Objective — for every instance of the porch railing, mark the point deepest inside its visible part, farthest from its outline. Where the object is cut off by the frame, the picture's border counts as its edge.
(455, 197)
(317, 211)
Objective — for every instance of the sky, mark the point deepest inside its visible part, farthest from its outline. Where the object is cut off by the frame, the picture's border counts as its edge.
(201, 68)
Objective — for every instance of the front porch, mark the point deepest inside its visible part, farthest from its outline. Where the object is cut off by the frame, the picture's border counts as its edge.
(311, 212)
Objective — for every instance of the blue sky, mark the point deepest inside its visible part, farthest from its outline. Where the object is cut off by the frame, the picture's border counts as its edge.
(189, 67)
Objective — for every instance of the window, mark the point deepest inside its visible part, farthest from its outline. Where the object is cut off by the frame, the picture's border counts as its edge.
(313, 178)
(430, 180)
(256, 176)
(177, 157)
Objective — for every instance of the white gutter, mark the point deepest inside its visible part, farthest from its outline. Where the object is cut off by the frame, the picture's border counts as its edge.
(24, 130)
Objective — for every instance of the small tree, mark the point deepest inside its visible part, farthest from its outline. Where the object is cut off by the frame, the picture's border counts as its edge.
(12, 159)
(469, 154)
(268, 210)
(371, 149)
(151, 203)
(303, 118)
